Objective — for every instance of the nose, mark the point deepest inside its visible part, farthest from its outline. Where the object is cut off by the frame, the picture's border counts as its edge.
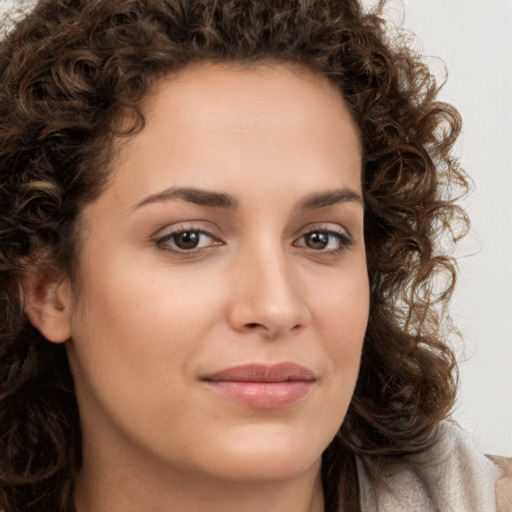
(266, 297)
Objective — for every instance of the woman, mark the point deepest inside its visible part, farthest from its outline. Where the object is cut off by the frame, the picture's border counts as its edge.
(219, 239)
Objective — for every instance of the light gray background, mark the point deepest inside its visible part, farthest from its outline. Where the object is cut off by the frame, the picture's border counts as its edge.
(474, 38)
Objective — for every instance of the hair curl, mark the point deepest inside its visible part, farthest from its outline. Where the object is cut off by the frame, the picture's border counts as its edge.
(71, 69)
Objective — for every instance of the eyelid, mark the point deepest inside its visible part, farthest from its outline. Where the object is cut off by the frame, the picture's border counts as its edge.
(345, 239)
(187, 225)
(162, 238)
(328, 227)
(165, 234)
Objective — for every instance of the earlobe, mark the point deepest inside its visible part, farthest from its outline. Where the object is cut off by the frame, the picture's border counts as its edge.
(47, 301)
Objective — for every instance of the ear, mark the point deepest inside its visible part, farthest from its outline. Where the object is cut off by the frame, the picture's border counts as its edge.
(47, 303)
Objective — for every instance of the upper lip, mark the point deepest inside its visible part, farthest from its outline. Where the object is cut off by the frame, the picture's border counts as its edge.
(282, 372)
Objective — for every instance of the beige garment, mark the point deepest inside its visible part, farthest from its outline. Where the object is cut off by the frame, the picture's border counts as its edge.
(453, 476)
(504, 485)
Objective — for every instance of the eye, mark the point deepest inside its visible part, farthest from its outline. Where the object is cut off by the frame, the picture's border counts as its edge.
(324, 240)
(186, 240)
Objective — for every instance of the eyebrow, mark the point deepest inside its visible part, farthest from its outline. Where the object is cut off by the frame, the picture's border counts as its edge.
(330, 198)
(211, 199)
(192, 195)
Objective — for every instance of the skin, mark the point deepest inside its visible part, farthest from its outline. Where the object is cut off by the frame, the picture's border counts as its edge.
(149, 321)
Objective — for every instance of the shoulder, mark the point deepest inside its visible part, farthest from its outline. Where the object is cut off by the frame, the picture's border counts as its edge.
(452, 476)
(504, 484)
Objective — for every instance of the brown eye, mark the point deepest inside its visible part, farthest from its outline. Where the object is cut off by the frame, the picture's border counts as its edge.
(187, 240)
(326, 241)
(317, 241)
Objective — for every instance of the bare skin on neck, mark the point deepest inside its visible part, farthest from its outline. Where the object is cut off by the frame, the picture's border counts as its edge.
(127, 491)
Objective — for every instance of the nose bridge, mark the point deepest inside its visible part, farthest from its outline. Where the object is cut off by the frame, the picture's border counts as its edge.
(267, 296)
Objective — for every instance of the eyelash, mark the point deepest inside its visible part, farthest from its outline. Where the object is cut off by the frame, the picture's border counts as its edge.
(164, 242)
(344, 240)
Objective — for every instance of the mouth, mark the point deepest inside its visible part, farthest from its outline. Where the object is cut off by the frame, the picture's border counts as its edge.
(263, 386)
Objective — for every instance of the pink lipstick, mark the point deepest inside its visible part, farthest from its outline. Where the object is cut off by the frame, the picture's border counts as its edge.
(263, 386)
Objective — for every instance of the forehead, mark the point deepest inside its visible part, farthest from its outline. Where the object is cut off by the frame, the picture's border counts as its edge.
(256, 92)
(222, 126)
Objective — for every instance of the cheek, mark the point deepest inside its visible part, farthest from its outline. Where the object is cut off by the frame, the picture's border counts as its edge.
(136, 311)
(135, 340)
(341, 318)
(342, 314)
(343, 303)
(138, 329)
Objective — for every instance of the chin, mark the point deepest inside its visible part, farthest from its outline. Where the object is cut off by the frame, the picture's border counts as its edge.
(269, 468)
(268, 456)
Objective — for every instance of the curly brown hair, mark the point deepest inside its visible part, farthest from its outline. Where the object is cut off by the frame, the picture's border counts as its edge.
(70, 70)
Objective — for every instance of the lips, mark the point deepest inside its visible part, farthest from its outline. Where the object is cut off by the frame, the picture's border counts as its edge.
(263, 386)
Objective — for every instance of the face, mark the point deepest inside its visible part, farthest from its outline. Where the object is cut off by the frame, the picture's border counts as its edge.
(223, 293)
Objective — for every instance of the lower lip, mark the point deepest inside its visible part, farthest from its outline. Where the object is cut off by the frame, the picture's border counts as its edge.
(263, 395)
